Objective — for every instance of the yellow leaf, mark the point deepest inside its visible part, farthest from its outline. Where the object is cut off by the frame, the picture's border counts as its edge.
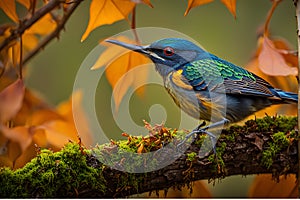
(271, 62)
(119, 61)
(111, 53)
(11, 99)
(73, 112)
(20, 135)
(43, 26)
(59, 132)
(195, 3)
(119, 68)
(107, 12)
(231, 6)
(9, 7)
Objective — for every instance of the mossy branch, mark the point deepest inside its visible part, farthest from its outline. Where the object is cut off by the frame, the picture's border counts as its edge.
(265, 145)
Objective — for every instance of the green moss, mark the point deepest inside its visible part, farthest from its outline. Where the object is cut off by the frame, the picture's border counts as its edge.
(52, 174)
(280, 141)
(274, 124)
(217, 159)
(191, 156)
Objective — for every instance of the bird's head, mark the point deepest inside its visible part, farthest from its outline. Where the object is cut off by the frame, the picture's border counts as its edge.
(167, 54)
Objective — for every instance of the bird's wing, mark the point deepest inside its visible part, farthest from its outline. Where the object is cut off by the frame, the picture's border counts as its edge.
(217, 75)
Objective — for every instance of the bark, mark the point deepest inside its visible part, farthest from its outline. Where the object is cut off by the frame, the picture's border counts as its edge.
(240, 151)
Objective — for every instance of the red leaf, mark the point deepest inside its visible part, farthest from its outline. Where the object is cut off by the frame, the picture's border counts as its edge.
(11, 99)
(271, 62)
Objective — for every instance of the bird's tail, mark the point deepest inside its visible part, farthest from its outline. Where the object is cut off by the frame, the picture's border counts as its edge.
(289, 97)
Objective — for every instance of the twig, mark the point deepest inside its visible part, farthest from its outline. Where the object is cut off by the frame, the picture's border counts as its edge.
(27, 23)
(53, 34)
(21, 58)
(274, 5)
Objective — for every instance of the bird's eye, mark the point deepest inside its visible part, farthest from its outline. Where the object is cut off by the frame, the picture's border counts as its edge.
(168, 51)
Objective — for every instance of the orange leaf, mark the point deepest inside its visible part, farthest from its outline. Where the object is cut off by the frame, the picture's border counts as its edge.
(195, 3)
(59, 132)
(231, 6)
(107, 12)
(19, 134)
(72, 110)
(9, 7)
(43, 26)
(140, 149)
(11, 100)
(118, 67)
(271, 62)
(264, 186)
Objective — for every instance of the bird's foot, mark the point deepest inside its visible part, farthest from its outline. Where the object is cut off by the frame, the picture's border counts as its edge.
(200, 130)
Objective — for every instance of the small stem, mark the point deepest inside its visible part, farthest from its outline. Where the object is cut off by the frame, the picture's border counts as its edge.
(27, 23)
(21, 58)
(133, 26)
(271, 11)
(54, 33)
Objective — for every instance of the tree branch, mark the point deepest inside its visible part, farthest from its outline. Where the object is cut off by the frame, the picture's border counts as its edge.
(60, 26)
(76, 172)
(27, 23)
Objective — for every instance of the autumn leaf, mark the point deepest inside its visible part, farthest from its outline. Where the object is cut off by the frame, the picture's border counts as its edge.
(9, 7)
(19, 134)
(272, 62)
(231, 6)
(264, 186)
(11, 99)
(287, 83)
(107, 12)
(119, 62)
(195, 3)
(72, 111)
(43, 26)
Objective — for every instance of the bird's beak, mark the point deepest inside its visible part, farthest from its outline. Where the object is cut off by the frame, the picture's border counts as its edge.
(133, 47)
(140, 49)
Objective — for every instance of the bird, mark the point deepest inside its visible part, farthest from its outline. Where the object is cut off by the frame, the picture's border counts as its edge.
(207, 87)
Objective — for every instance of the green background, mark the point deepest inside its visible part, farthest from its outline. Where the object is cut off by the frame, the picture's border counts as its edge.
(52, 72)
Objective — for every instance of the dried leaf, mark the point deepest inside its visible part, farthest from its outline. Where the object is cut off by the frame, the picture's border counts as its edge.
(11, 100)
(140, 149)
(72, 110)
(231, 6)
(43, 26)
(264, 186)
(9, 7)
(271, 62)
(107, 12)
(59, 132)
(20, 135)
(195, 3)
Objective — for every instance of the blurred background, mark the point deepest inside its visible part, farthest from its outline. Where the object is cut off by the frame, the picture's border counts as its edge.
(52, 72)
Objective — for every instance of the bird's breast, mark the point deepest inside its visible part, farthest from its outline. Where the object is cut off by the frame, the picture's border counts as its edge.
(195, 103)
